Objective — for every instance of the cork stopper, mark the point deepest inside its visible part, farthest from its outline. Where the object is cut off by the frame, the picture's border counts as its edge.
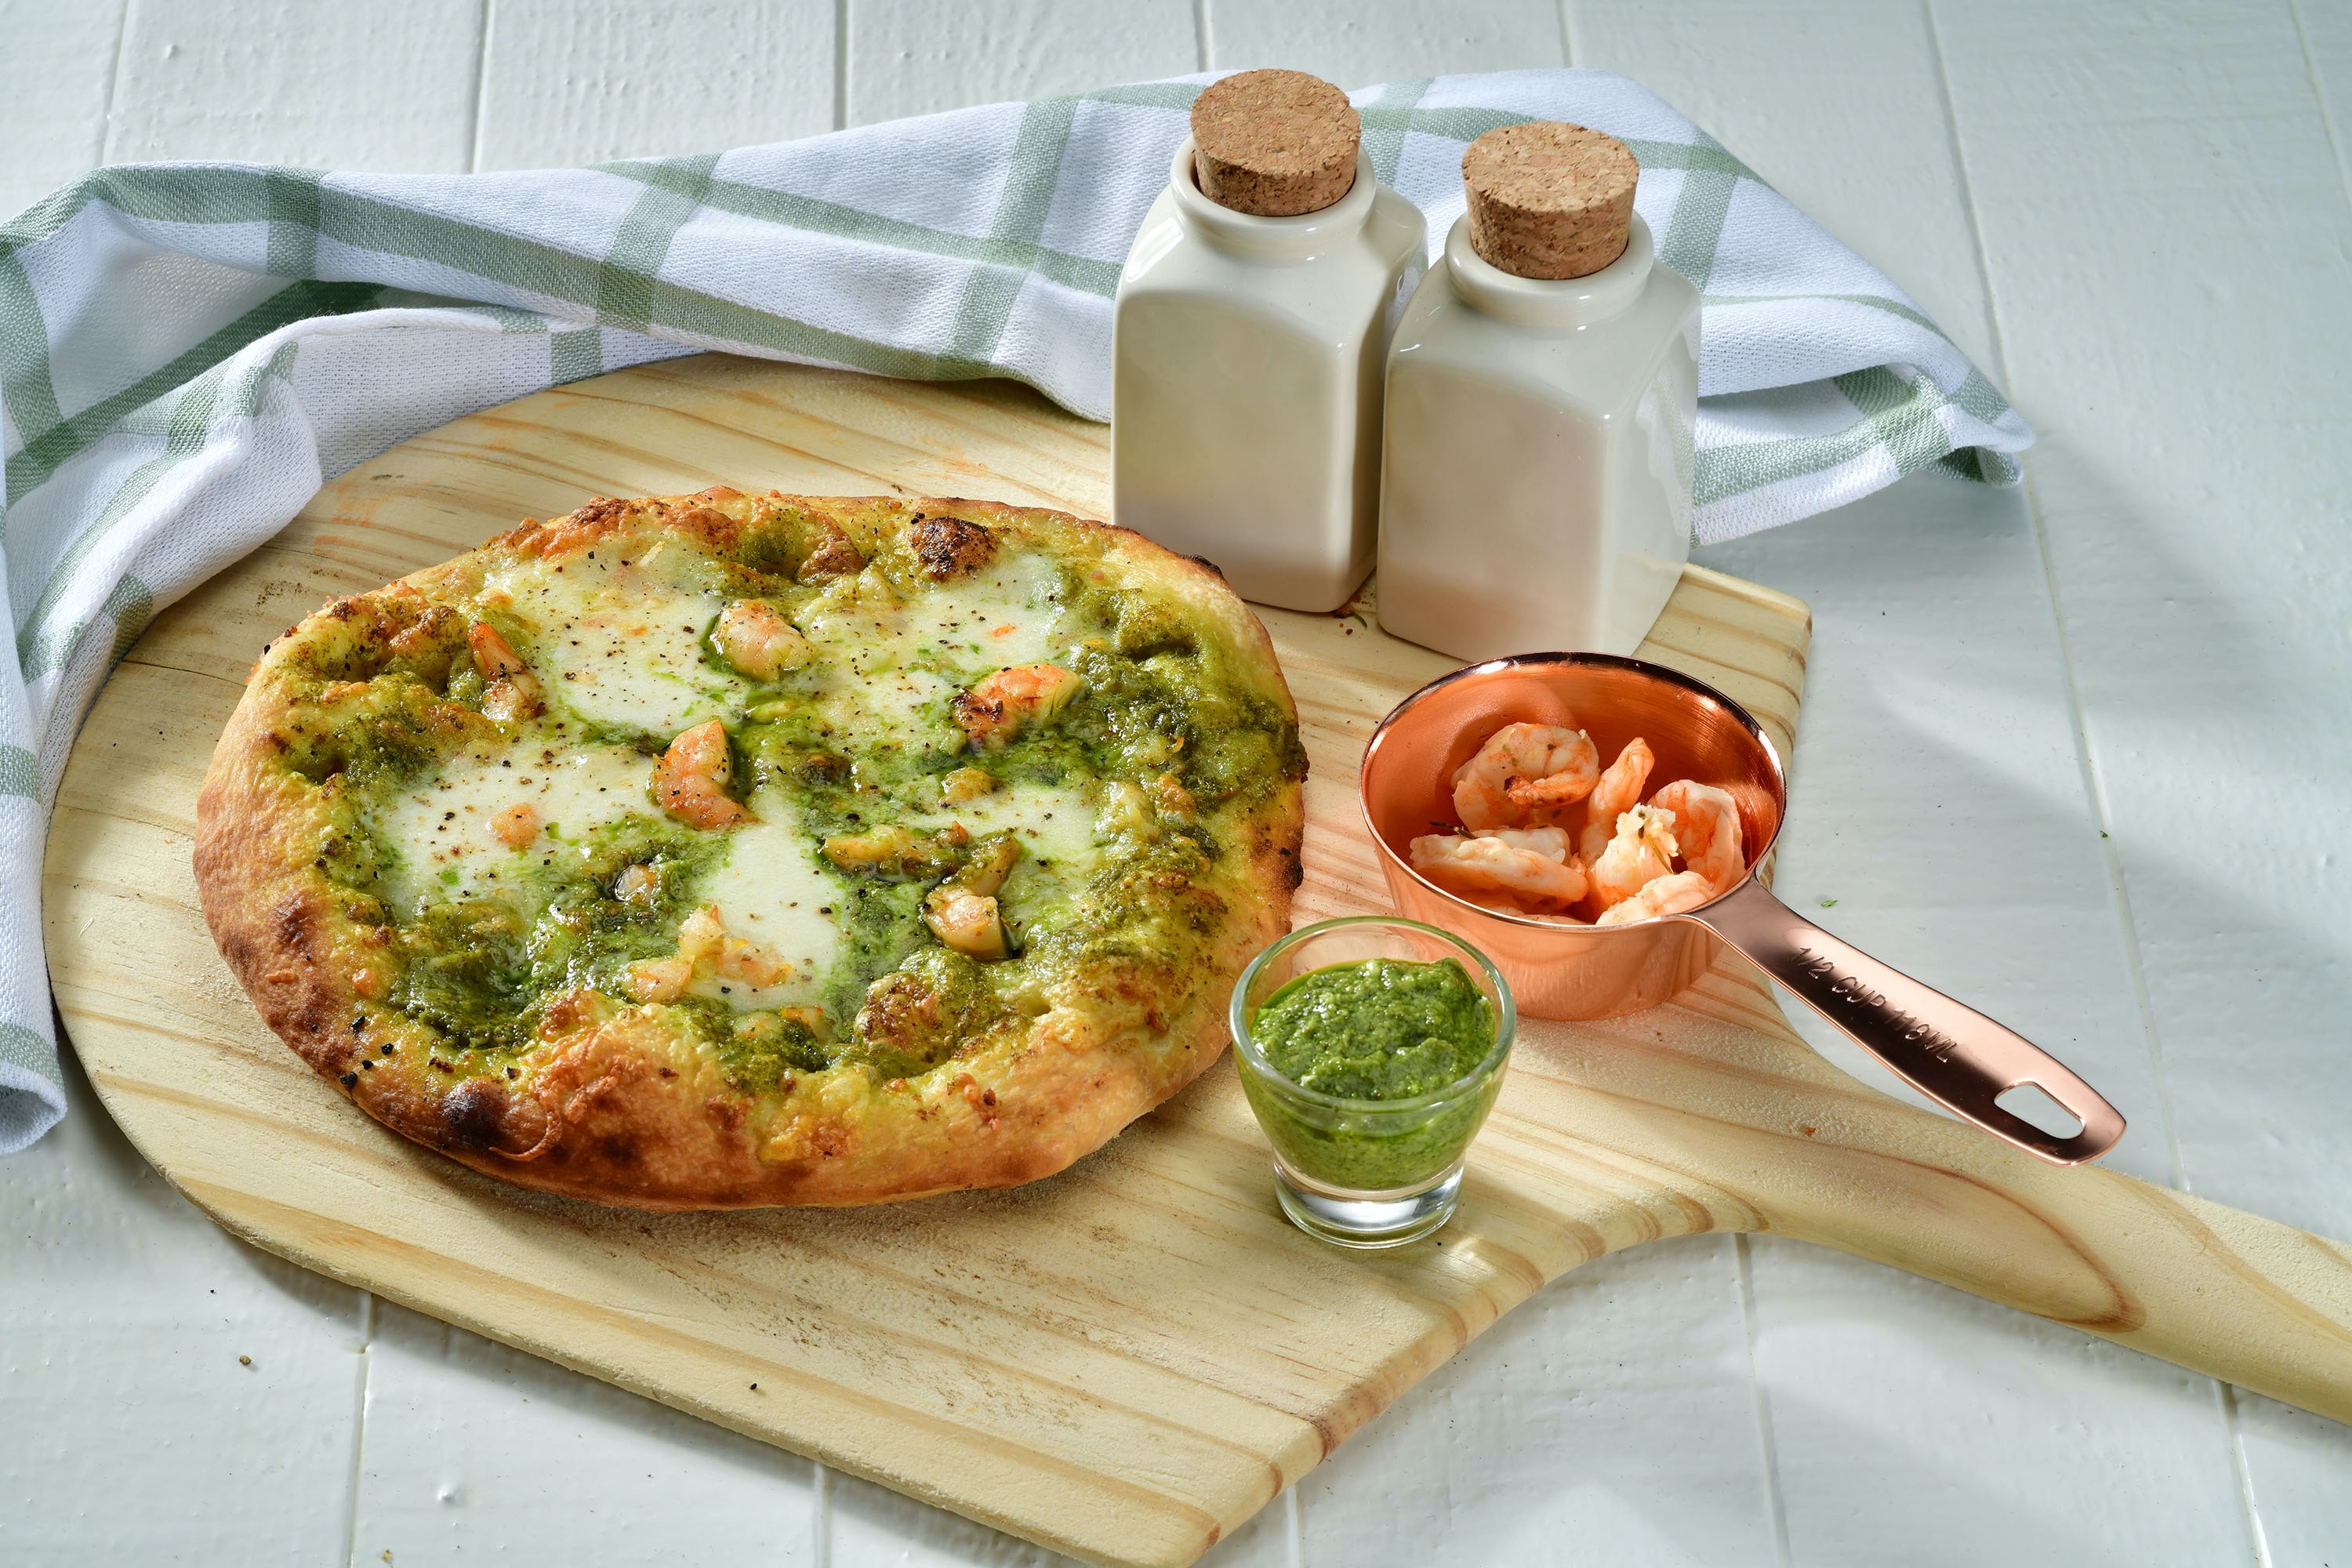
(1273, 144)
(1549, 199)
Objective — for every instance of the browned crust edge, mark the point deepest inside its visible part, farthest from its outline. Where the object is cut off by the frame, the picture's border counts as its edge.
(626, 1112)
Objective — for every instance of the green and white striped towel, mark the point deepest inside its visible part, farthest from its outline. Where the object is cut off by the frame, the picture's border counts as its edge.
(187, 351)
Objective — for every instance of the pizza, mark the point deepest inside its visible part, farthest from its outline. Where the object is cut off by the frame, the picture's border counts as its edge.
(726, 849)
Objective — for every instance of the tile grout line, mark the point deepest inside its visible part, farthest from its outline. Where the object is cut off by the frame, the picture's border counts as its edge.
(821, 1517)
(2087, 763)
(2094, 786)
(359, 1428)
(2319, 93)
(1295, 1526)
(1745, 1287)
(481, 85)
(2262, 1542)
(1567, 37)
(1200, 35)
(113, 84)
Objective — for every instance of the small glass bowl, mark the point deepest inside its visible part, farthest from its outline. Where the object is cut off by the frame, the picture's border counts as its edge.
(1367, 1172)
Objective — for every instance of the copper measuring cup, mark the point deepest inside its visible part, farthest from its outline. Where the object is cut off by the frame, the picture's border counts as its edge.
(1951, 1053)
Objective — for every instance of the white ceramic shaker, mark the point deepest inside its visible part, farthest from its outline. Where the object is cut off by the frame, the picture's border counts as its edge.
(1542, 389)
(1250, 338)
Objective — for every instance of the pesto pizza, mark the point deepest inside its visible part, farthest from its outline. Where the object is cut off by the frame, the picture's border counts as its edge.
(724, 849)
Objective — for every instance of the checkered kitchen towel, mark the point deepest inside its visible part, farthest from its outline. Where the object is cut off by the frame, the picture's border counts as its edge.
(187, 351)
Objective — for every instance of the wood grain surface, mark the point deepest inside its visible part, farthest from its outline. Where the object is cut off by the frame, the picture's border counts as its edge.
(1127, 1361)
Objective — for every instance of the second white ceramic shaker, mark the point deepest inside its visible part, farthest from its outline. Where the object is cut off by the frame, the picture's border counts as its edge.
(1542, 389)
(1251, 335)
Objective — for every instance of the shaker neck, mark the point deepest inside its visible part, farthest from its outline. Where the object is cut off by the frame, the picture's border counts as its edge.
(1271, 238)
(1547, 302)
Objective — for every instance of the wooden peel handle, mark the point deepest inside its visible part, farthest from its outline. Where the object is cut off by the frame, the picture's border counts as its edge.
(2233, 1295)
(1949, 1052)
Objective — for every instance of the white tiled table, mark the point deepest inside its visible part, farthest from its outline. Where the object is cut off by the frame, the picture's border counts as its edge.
(2080, 751)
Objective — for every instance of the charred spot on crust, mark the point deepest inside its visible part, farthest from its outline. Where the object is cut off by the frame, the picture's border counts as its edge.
(949, 547)
(1212, 567)
(901, 1012)
(473, 1116)
(293, 926)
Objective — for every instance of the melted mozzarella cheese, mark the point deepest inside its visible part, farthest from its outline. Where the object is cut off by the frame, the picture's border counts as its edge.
(619, 643)
(894, 668)
(440, 834)
(1007, 613)
(773, 889)
(874, 683)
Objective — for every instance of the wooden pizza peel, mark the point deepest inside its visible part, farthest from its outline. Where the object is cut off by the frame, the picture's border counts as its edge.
(1127, 1361)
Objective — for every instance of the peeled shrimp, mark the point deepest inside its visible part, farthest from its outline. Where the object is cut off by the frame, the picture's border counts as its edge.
(962, 912)
(1523, 774)
(690, 779)
(702, 939)
(1549, 842)
(966, 921)
(1640, 852)
(1505, 904)
(757, 640)
(513, 692)
(1669, 895)
(658, 979)
(492, 652)
(1534, 865)
(966, 784)
(516, 826)
(1619, 791)
(1004, 702)
(636, 884)
(1706, 829)
(703, 945)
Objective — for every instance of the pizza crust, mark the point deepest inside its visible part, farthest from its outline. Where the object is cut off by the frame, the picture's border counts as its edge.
(614, 1101)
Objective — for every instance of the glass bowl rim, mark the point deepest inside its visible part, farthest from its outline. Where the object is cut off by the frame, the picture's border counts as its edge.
(1506, 1019)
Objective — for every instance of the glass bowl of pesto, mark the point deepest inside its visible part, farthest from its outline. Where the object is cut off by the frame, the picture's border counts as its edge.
(1372, 1049)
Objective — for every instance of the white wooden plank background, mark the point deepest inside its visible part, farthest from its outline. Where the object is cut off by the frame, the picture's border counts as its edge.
(578, 84)
(2072, 750)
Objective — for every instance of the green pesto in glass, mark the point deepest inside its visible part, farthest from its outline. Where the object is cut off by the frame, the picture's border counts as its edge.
(1380, 1028)
(1376, 1030)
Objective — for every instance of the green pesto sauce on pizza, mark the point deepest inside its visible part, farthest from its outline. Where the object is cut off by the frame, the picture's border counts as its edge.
(930, 794)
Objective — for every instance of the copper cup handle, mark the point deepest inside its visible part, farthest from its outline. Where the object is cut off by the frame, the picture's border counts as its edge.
(1952, 1054)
